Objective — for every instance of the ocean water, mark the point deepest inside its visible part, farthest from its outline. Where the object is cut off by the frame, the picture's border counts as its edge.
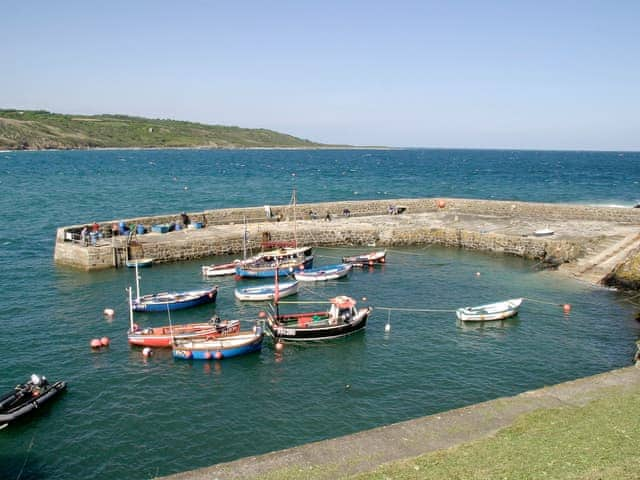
(125, 416)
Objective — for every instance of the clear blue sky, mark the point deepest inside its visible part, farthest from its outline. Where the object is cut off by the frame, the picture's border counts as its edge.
(487, 74)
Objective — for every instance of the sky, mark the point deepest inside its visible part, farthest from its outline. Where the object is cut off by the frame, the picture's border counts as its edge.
(452, 74)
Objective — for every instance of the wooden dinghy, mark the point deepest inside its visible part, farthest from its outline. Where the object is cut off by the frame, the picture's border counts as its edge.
(364, 259)
(266, 292)
(327, 272)
(490, 311)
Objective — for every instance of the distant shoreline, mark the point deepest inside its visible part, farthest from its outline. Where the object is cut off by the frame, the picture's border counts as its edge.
(345, 147)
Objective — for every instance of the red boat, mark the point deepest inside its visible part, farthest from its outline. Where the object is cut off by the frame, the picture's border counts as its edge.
(161, 337)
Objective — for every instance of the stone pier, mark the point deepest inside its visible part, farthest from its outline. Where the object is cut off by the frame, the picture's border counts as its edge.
(588, 242)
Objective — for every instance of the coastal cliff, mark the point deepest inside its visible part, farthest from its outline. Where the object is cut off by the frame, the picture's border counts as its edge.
(41, 130)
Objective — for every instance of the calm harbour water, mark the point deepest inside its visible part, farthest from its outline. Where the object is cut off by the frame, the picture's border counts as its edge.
(126, 417)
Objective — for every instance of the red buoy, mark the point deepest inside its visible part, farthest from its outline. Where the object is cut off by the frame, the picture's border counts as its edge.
(219, 355)
(104, 341)
(95, 343)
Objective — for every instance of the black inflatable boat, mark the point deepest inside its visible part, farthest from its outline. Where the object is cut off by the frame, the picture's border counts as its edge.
(27, 398)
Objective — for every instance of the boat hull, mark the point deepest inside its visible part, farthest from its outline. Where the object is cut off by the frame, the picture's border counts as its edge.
(269, 271)
(162, 302)
(329, 272)
(219, 270)
(224, 347)
(490, 312)
(164, 337)
(265, 293)
(373, 258)
(308, 332)
(140, 263)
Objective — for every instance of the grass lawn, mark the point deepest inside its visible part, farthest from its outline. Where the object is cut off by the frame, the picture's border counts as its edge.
(598, 441)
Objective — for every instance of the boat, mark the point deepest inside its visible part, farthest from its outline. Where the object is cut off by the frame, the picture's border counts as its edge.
(163, 301)
(266, 292)
(140, 262)
(341, 319)
(164, 337)
(284, 260)
(491, 311)
(232, 345)
(373, 258)
(543, 232)
(220, 269)
(326, 272)
(27, 398)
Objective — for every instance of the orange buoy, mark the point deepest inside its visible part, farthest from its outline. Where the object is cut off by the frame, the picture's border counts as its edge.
(566, 308)
(104, 341)
(95, 343)
(262, 314)
(441, 204)
(207, 355)
(219, 355)
(279, 346)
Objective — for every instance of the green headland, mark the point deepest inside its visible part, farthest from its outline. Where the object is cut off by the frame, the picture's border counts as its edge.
(39, 130)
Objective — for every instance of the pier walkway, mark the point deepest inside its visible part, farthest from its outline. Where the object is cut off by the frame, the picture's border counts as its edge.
(587, 242)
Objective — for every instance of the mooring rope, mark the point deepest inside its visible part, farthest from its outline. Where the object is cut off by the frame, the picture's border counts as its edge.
(398, 309)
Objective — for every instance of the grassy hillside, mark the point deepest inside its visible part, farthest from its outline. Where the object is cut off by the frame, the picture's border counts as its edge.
(35, 130)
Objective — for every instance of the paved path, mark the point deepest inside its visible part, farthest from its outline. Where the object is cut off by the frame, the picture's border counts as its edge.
(364, 451)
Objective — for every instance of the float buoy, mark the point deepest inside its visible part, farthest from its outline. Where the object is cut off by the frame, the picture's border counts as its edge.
(147, 352)
(566, 308)
(262, 314)
(207, 355)
(219, 355)
(279, 346)
(109, 313)
(95, 343)
(104, 341)
(364, 299)
(387, 327)
(477, 274)
(441, 204)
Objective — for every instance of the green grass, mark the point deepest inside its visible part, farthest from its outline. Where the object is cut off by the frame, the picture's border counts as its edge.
(38, 129)
(598, 441)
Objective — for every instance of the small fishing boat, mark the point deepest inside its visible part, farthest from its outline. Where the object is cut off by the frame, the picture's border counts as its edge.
(266, 292)
(285, 261)
(164, 301)
(491, 311)
(220, 269)
(327, 272)
(232, 345)
(27, 398)
(343, 318)
(373, 258)
(161, 302)
(140, 262)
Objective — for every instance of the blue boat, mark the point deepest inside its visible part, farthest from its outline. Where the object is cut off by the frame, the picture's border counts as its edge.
(285, 261)
(326, 272)
(233, 345)
(161, 302)
(266, 292)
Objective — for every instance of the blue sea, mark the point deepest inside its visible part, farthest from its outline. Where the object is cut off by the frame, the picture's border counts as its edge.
(129, 417)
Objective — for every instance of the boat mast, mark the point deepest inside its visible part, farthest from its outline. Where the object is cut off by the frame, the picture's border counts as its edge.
(295, 226)
(130, 290)
(137, 283)
(244, 239)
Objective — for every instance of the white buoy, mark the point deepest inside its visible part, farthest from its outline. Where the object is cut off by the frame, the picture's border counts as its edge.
(146, 351)
(109, 313)
(387, 327)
